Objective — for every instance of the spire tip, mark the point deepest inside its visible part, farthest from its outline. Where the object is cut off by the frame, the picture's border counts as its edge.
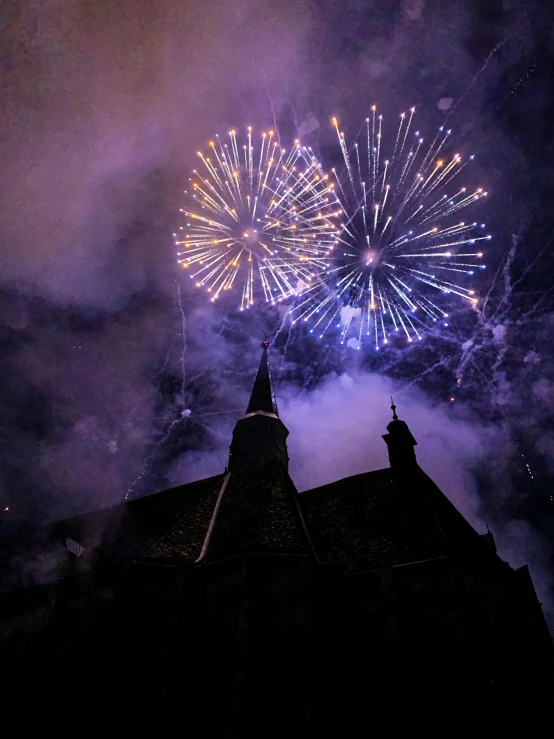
(393, 409)
(262, 398)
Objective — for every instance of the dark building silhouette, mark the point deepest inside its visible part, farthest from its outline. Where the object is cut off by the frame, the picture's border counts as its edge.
(237, 607)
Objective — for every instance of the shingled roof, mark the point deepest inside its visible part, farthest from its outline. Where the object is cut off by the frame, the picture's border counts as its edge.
(361, 522)
(251, 510)
(369, 521)
(109, 536)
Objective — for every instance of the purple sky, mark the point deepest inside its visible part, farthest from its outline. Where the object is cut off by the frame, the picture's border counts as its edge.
(103, 108)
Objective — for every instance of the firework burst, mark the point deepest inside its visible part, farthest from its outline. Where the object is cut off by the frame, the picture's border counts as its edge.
(402, 247)
(258, 219)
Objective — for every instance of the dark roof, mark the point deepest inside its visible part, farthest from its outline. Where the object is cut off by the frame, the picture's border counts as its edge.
(358, 523)
(109, 535)
(263, 398)
(251, 510)
(367, 521)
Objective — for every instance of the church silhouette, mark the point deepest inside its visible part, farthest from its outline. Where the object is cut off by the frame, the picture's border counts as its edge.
(237, 607)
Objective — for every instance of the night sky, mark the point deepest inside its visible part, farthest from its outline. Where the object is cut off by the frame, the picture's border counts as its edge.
(119, 379)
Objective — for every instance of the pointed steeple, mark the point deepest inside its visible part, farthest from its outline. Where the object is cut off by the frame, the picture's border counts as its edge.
(400, 443)
(260, 435)
(263, 397)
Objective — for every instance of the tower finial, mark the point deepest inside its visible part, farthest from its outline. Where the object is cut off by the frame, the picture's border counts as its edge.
(265, 342)
(393, 409)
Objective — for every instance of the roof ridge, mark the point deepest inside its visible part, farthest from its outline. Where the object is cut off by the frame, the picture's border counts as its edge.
(466, 529)
(342, 479)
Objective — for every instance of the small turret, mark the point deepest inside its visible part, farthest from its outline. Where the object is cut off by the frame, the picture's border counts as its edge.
(400, 443)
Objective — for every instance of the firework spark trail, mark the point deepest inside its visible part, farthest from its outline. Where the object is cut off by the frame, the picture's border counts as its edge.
(514, 87)
(501, 339)
(151, 457)
(293, 109)
(272, 108)
(261, 218)
(184, 346)
(479, 72)
(489, 375)
(135, 482)
(164, 365)
(485, 324)
(285, 348)
(284, 322)
(416, 380)
(231, 411)
(398, 246)
(499, 314)
(495, 318)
